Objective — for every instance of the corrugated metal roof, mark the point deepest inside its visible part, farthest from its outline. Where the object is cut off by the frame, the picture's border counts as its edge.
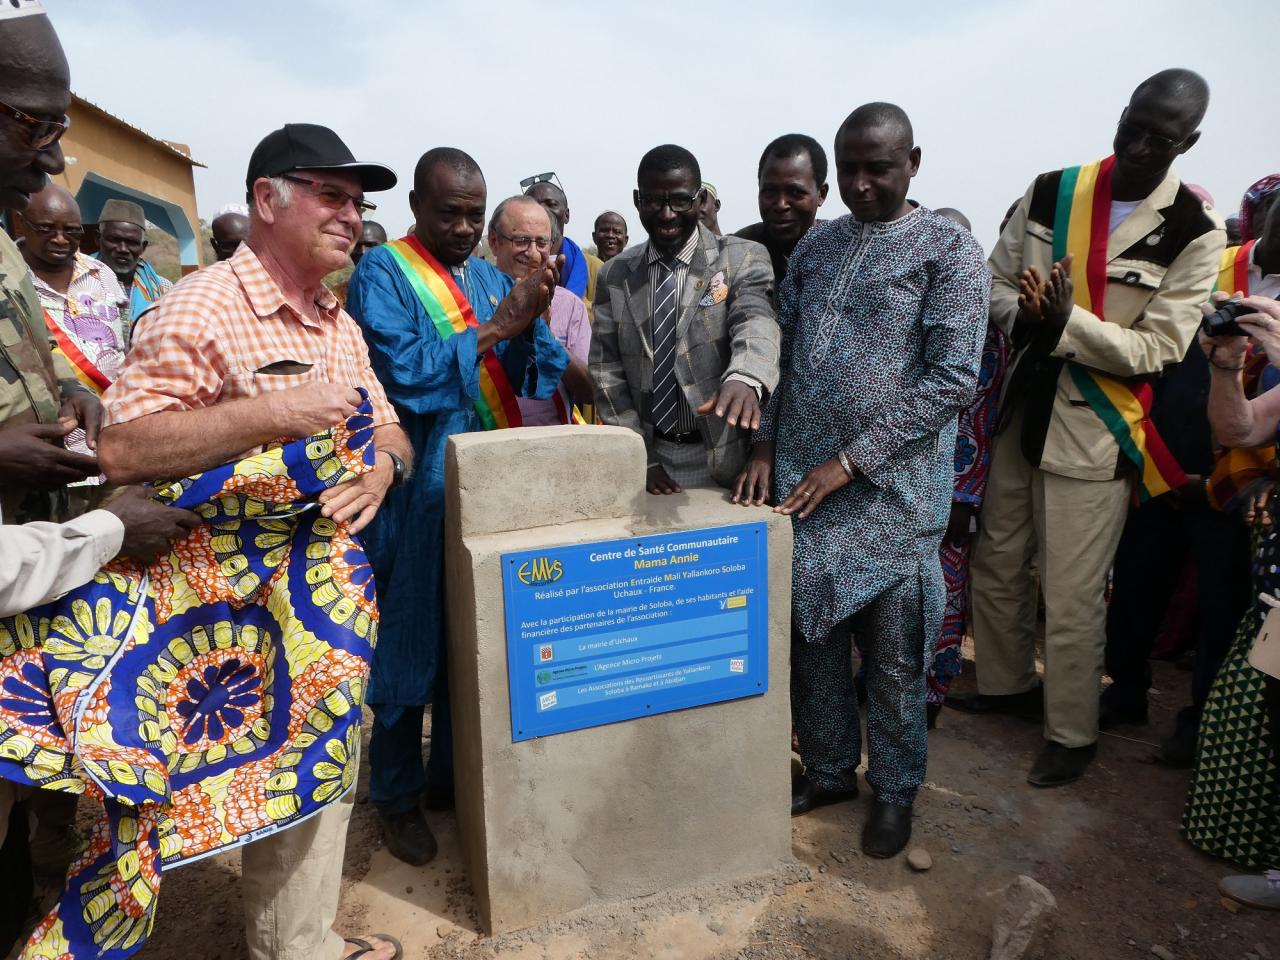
(178, 150)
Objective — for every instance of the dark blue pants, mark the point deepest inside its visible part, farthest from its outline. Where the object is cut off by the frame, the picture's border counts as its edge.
(397, 774)
(895, 629)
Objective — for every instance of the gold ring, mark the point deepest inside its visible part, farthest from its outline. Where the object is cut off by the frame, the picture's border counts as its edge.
(806, 495)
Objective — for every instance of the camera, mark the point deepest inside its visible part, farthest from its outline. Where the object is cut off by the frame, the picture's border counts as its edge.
(1222, 322)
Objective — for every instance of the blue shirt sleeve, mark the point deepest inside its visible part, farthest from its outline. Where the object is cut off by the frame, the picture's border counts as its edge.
(546, 361)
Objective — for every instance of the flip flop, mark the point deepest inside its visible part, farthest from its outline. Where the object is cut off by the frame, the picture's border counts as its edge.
(367, 947)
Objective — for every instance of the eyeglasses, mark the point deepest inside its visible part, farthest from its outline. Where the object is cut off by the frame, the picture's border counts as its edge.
(1132, 131)
(528, 182)
(335, 198)
(678, 202)
(49, 229)
(524, 243)
(43, 133)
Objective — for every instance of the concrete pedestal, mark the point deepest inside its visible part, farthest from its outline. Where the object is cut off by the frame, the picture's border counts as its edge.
(619, 811)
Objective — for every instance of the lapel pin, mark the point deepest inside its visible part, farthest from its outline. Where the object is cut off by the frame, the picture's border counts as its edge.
(717, 292)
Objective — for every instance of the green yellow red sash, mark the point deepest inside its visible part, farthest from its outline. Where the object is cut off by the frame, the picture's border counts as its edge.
(1081, 227)
(1233, 270)
(1237, 467)
(567, 410)
(85, 371)
(451, 313)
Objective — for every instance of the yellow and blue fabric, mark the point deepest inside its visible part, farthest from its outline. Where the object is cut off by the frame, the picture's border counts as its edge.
(148, 287)
(208, 700)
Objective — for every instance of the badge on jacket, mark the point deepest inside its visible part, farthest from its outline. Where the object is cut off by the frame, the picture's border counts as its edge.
(716, 292)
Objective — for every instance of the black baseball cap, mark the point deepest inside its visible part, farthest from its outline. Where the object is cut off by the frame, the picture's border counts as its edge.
(309, 146)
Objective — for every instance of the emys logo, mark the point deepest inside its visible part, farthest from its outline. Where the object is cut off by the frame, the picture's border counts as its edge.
(540, 570)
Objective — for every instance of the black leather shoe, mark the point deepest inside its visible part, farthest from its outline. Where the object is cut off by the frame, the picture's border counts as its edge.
(1029, 704)
(408, 837)
(805, 795)
(888, 829)
(1058, 765)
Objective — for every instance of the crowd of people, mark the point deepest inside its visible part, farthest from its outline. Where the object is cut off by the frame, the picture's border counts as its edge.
(218, 494)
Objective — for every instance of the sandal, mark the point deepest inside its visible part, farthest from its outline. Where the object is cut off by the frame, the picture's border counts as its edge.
(367, 947)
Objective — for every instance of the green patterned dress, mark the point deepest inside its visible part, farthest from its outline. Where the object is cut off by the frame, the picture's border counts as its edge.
(1233, 802)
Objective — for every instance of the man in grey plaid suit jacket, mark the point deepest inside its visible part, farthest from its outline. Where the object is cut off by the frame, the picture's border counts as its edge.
(685, 343)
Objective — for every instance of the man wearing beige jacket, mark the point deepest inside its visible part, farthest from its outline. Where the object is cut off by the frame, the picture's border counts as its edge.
(1061, 480)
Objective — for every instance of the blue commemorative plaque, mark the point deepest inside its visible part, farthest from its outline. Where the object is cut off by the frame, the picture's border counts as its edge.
(609, 631)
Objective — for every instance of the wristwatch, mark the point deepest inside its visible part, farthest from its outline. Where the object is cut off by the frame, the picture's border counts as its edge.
(397, 469)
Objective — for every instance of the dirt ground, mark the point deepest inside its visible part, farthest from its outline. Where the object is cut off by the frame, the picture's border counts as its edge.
(1107, 847)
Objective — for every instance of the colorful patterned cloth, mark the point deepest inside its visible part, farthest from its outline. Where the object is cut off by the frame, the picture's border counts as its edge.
(974, 435)
(206, 701)
(87, 315)
(148, 287)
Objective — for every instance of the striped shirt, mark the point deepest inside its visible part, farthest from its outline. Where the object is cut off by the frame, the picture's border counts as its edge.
(683, 258)
(227, 332)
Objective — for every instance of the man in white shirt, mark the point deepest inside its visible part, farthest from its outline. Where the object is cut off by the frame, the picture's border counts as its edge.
(40, 562)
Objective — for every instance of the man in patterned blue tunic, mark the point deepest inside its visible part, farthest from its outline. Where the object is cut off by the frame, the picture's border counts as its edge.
(883, 315)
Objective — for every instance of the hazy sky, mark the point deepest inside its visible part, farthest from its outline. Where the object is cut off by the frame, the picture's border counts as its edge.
(997, 91)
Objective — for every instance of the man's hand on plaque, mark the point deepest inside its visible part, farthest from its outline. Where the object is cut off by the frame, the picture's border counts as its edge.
(817, 484)
(659, 481)
(755, 483)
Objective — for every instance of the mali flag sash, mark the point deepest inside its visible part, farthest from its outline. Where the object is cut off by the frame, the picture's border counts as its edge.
(1233, 270)
(1235, 468)
(81, 366)
(1081, 227)
(451, 313)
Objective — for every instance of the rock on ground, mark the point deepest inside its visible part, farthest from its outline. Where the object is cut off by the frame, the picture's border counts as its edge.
(1025, 911)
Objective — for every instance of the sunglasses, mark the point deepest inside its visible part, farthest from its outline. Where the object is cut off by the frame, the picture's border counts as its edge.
(42, 133)
(528, 182)
(1132, 131)
(335, 198)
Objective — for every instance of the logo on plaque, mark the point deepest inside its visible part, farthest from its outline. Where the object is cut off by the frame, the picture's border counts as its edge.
(540, 570)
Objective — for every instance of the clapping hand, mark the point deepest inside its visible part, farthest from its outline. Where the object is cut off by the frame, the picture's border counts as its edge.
(1047, 302)
(1031, 288)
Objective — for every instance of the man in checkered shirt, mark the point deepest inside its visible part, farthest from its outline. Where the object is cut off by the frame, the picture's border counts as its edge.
(243, 353)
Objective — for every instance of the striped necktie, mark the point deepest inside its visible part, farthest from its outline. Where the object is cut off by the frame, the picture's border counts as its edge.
(666, 390)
